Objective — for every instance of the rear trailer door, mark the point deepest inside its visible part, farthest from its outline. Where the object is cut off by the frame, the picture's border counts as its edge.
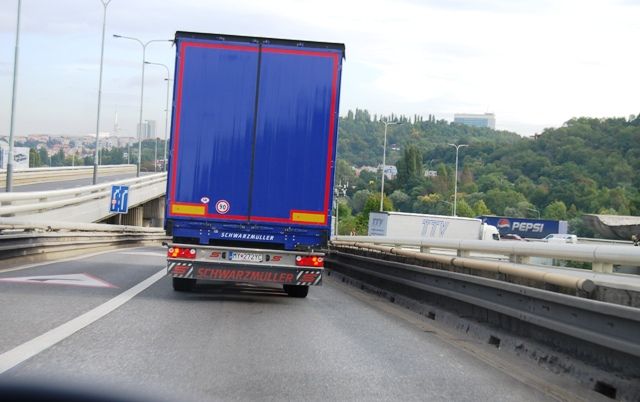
(295, 136)
(213, 128)
(254, 131)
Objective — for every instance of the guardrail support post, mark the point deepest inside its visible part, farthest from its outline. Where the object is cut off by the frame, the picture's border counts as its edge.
(602, 267)
(519, 259)
(463, 253)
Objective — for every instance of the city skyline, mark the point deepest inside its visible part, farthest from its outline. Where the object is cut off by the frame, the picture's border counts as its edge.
(535, 64)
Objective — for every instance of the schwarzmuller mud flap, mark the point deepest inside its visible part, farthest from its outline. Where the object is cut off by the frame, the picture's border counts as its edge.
(289, 276)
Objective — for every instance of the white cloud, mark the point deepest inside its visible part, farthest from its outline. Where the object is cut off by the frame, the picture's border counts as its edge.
(534, 63)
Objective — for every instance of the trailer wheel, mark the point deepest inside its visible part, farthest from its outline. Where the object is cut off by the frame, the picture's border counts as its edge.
(296, 290)
(183, 284)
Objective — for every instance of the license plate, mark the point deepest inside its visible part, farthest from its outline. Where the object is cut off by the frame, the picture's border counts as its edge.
(249, 257)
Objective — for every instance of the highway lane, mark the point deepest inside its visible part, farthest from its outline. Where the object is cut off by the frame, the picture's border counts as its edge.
(240, 343)
(64, 184)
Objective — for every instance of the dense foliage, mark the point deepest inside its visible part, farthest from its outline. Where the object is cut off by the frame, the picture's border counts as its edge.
(585, 166)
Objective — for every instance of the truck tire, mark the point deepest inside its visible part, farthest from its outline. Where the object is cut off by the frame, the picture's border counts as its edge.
(183, 284)
(296, 291)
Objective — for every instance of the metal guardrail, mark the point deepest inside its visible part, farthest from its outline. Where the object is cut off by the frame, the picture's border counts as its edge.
(598, 334)
(495, 266)
(22, 242)
(602, 256)
(29, 203)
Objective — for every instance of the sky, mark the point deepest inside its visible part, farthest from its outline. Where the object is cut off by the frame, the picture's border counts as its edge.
(535, 64)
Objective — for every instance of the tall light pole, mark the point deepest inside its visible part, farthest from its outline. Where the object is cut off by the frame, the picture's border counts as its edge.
(9, 185)
(105, 3)
(534, 210)
(166, 116)
(448, 203)
(455, 187)
(384, 159)
(144, 50)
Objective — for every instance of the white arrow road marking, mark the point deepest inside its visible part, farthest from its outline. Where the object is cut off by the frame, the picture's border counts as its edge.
(70, 279)
(31, 348)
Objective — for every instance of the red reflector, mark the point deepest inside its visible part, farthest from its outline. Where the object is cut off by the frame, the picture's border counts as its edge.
(181, 252)
(309, 261)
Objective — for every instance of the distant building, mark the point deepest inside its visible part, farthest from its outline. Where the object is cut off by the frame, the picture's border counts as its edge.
(476, 120)
(366, 169)
(148, 129)
(390, 171)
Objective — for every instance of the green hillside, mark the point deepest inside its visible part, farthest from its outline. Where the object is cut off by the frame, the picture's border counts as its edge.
(585, 166)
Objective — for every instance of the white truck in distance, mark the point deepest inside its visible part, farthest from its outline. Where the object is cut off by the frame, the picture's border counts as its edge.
(402, 224)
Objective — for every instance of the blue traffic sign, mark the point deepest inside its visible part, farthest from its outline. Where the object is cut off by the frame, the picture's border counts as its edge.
(119, 199)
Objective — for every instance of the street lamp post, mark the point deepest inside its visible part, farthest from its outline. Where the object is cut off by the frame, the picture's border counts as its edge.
(448, 203)
(455, 187)
(340, 188)
(384, 159)
(166, 116)
(9, 184)
(534, 210)
(105, 3)
(144, 50)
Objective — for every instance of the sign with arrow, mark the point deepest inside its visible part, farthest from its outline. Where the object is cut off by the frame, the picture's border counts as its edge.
(119, 199)
(83, 279)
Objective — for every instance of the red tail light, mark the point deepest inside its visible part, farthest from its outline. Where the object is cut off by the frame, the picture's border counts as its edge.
(310, 261)
(181, 252)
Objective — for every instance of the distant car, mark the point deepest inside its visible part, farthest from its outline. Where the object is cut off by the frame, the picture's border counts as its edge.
(511, 236)
(561, 238)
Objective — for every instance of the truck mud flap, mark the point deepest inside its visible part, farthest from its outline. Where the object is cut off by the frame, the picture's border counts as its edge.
(288, 276)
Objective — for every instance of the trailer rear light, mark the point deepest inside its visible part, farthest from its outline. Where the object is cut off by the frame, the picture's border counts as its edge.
(181, 252)
(309, 261)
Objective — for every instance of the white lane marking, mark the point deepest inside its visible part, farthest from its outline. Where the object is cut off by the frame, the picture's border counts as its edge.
(83, 279)
(31, 348)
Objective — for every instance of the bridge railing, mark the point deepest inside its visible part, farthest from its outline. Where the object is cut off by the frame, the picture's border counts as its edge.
(63, 205)
(23, 241)
(601, 256)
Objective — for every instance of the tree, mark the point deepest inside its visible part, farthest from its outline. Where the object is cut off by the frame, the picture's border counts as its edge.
(57, 159)
(34, 158)
(463, 209)
(44, 156)
(498, 200)
(344, 172)
(410, 170)
(373, 204)
(481, 208)
(346, 222)
(556, 210)
(359, 199)
(401, 200)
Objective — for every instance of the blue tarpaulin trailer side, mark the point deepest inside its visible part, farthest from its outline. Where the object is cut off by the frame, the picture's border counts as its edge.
(525, 227)
(254, 137)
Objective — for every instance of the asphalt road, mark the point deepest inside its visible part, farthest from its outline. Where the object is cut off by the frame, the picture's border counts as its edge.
(233, 343)
(64, 184)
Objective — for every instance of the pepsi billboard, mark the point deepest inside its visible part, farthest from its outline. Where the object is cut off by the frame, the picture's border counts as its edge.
(525, 227)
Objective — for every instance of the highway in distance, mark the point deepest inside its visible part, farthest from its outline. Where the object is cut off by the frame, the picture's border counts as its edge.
(113, 320)
(65, 184)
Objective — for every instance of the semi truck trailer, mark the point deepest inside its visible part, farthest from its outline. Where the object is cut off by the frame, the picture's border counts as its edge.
(251, 161)
(423, 226)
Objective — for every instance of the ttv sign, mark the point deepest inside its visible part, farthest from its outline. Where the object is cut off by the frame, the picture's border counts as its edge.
(119, 199)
